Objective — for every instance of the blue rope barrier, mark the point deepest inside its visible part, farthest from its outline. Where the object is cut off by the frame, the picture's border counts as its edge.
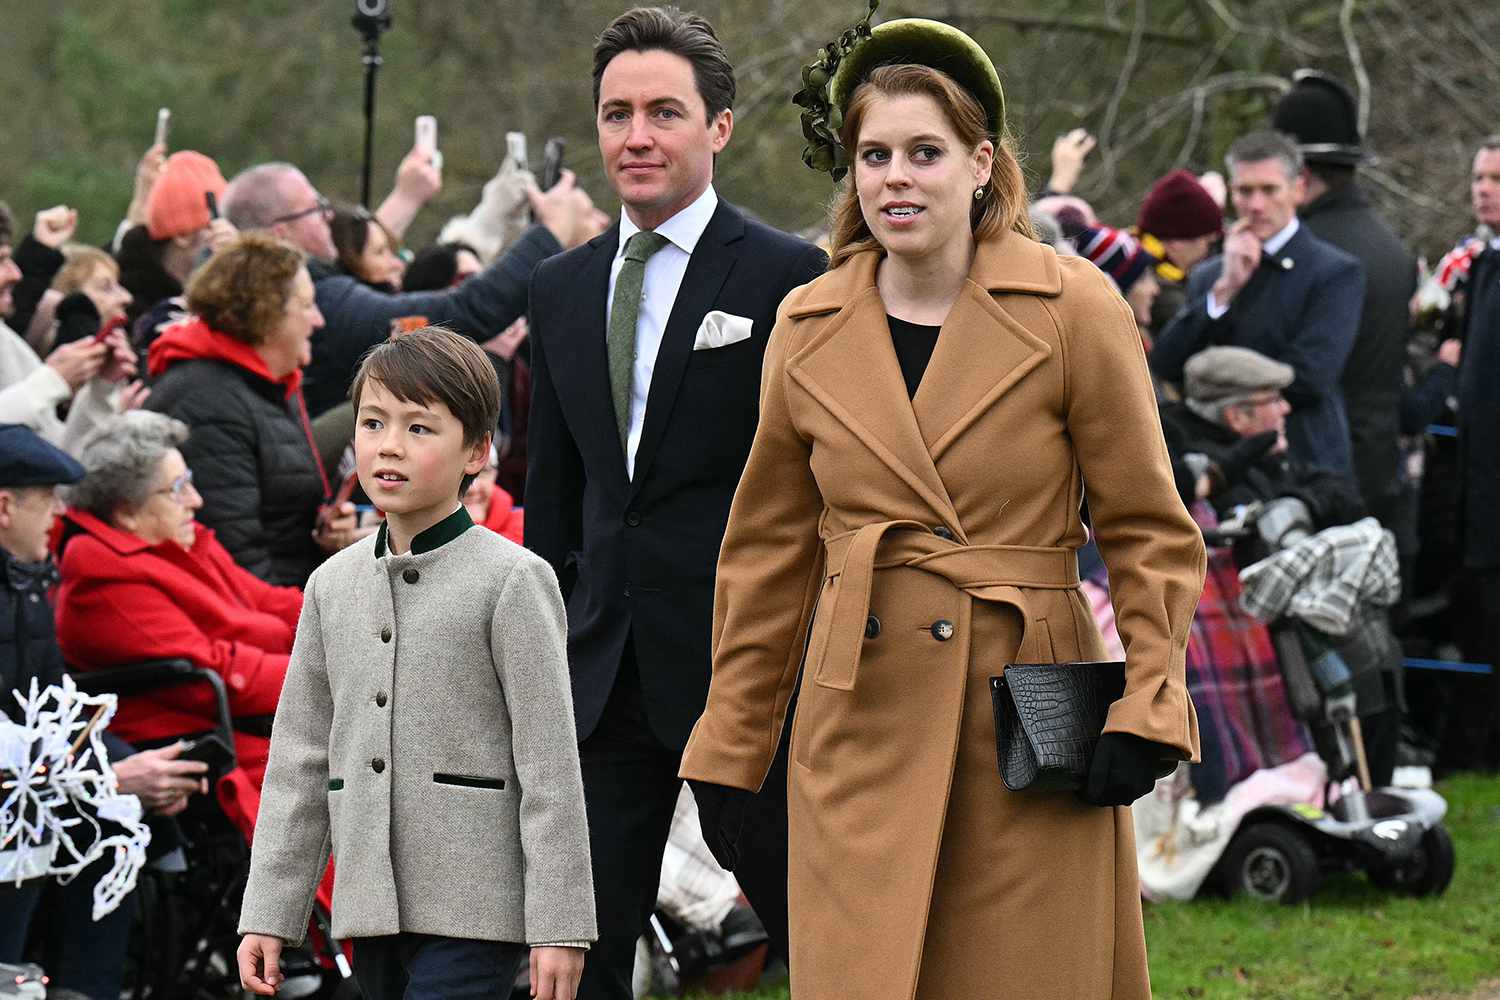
(1442, 430)
(1450, 665)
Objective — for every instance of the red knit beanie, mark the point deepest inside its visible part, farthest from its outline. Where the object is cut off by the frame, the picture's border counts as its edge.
(1178, 207)
(177, 204)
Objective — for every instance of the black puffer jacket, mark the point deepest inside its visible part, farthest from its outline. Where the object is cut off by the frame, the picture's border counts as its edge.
(28, 646)
(251, 449)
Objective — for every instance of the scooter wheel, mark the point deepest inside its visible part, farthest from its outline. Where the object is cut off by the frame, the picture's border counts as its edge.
(1427, 872)
(1271, 863)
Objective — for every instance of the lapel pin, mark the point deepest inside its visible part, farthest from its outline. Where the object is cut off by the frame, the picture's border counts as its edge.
(1287, 263)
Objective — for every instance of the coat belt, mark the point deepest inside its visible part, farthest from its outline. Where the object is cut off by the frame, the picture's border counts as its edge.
(988, 572)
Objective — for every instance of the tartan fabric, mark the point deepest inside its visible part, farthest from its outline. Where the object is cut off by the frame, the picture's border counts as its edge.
(1324, 579)
(1245, 722)
(694, 890)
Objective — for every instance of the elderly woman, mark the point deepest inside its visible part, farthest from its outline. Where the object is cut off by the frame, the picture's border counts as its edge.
(233, 373)
(907, 526)
(143, 580)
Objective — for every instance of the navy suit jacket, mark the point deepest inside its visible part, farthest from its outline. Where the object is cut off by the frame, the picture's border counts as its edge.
(1479, 414)
(636, 557)
(1301, 308)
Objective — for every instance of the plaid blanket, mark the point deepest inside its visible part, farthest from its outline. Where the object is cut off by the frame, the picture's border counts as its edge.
(1245, 723)
(1324, 579)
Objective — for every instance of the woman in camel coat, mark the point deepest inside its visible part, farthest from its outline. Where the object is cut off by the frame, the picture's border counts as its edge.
(907, 525)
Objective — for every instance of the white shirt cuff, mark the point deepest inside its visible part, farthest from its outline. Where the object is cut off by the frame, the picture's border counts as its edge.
(1214, 309)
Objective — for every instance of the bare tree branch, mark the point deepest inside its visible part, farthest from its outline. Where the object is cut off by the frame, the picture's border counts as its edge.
(1088, 26)
(1356, 60)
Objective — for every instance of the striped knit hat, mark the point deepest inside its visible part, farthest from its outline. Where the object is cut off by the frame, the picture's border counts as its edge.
(1115, 252)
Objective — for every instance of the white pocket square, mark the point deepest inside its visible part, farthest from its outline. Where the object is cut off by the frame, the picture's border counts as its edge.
(720, 329)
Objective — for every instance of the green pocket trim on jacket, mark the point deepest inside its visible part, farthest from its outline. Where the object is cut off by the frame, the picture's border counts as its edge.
(468, 780)
(335, 784)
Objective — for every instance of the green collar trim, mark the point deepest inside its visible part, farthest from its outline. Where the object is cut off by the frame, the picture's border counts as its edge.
(435, 537)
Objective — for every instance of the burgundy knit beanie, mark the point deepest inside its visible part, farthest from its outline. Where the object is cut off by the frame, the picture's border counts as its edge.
(1178, 207)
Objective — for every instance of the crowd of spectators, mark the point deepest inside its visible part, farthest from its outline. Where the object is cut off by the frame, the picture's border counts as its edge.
(177, 461)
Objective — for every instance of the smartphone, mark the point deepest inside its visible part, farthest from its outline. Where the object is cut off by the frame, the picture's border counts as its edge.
(211, 750)
(426, 139)
(515, 149)
(552, 162)
(115, 323)
(213, 204)
(163, 119)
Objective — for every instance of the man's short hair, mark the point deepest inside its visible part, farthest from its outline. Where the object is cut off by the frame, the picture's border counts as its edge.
(669, 29)
(436, 365)
(1266, 145)
(1488, 144)
(7, 226)
(253, 200)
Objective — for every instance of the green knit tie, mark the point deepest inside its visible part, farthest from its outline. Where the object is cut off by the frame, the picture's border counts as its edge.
(622, 317)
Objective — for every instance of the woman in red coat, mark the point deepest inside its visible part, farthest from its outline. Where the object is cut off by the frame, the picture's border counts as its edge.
(142, 580)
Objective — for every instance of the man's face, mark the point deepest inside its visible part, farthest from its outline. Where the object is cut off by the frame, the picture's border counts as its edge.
(654, 135)
(1265, 196)
(305, 219)
(1265, 411)
(10, 274)
(26, 515)
(1485, 187)
(1187, 251)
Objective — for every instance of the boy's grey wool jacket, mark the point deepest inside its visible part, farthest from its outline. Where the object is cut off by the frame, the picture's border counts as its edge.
(425, 733)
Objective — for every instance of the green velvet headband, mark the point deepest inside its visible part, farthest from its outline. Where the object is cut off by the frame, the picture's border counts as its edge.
(842, 65)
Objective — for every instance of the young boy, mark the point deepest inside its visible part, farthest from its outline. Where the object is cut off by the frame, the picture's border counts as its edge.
(425, 731)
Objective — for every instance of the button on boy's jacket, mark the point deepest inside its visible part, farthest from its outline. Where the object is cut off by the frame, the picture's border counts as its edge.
(425, 733)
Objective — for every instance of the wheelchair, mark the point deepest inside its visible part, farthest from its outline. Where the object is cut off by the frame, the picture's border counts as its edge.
(187, 899)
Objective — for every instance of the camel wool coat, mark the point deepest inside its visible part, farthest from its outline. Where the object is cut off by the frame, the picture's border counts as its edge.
(928, 543)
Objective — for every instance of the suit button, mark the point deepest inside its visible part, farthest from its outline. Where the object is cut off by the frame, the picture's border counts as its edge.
(632, 518)
(942, 630)
(872, 627)
(411, 575)
(385, 634)
(380, 699)
(942, 532)
(377, 765)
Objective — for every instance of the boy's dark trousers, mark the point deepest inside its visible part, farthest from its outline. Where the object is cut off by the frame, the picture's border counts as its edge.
(428, 967)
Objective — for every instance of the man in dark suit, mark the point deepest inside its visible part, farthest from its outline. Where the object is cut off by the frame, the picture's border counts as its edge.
(646, 350)
(1279, 290)
(1320, 113)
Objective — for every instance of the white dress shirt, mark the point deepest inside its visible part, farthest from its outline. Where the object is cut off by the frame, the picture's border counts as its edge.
(663, 278)
(1271, 246)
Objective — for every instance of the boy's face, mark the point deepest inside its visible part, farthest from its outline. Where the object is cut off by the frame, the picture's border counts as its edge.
(411, 457)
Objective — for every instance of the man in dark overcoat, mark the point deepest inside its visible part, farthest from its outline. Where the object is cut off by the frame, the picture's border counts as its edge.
(1321, 114)
(1280, 290)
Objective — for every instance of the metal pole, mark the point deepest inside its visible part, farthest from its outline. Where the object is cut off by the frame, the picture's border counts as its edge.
(372, 64)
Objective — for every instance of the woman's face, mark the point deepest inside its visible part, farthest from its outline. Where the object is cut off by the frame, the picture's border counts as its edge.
(167, 515)
(481, 490)
(914, 178)
(379, 263)
(106, 293)
(466, 265)
(290, 346)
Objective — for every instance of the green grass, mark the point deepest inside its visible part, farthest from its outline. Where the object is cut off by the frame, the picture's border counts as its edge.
(1351, 940)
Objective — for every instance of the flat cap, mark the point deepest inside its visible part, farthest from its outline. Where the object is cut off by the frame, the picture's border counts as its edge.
(1225, 375)
(27, 460)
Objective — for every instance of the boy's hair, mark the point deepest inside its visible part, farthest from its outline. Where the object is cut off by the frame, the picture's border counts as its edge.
(436, 365)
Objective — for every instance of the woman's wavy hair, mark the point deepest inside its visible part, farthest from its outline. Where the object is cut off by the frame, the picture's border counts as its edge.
(1002, 208)
(243, 289)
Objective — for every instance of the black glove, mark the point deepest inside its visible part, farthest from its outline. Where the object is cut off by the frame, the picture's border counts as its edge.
(721, 813)
(1245, 454)
(77, 319)
(1124, 768)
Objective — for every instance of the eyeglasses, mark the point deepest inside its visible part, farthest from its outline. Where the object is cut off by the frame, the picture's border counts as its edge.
(178, 488)
(321, 207)
(1264, 399)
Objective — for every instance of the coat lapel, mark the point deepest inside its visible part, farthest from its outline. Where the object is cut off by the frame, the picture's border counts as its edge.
(712, 260)
(850, 366)
(586, 353)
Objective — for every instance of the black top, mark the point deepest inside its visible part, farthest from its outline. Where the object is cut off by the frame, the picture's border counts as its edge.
(914, 346)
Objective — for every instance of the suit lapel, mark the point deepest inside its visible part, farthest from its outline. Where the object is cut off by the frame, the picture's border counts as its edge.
(707, 269)
(587, 367)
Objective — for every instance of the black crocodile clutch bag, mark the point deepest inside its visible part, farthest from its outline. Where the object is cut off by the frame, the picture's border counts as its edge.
(1048, 717)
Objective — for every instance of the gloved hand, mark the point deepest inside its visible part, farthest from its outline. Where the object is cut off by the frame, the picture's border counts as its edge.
(77, 319)
(1124, 768)
(1245, 454)
(721, 813)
